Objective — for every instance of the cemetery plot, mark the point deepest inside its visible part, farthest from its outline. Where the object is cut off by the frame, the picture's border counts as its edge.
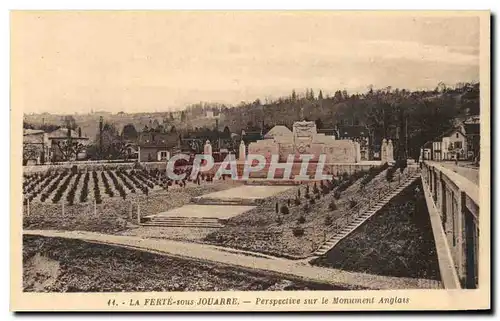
(296, 222)
(72, 186)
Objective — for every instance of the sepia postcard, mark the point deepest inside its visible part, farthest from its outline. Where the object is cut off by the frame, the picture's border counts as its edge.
(250, 160)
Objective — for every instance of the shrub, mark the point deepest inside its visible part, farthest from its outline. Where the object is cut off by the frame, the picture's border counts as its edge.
(318, 196)
(298, 193)
(307, 196)
(85, 188)
(352, 203)
(337, 195)
(279, 220)
(315, 188)
(298, 231)
(284, 210)
(74, 170)
(301, 220)
(312, 201)
(328, 220)
(297, 201)
(332, 206)
(276, 209)
(289, 202)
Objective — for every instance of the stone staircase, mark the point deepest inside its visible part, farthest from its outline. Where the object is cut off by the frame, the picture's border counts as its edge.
(201, 200)
(181, 221)
(363, 217)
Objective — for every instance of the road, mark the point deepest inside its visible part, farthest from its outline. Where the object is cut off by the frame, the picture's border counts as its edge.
(246, 260)
(472, 174)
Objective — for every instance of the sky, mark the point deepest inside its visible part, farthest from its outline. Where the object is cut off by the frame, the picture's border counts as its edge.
(67, 62)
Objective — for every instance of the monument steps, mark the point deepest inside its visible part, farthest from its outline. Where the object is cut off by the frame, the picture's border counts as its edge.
(179, 221)
(360, 220)
(217, 201)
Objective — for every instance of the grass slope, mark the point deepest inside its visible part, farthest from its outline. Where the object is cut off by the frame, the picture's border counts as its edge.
(397, 241)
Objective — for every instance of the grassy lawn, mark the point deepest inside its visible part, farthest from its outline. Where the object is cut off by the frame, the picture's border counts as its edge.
(63, 265)
(265, 230)
(397, 241)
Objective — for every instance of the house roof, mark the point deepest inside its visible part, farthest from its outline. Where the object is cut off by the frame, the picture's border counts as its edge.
(168, 140)
(448, 133)
(353, 131)
(252, 137)
(33, 139)
(473, 120)
(32, 131)
(328, 132)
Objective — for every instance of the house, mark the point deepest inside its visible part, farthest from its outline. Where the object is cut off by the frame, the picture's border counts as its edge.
(448, 146)
(328, 132)
(473, 136)
(454, 144)
(426, 151)
(36, 147)
(157, 146)
(357, 133)
(67, 144)
(437, 150)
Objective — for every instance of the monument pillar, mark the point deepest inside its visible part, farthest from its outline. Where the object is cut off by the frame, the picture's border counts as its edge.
(358, 152)
(207, 149)
(383, 151)
(390, 151)
(242, 154)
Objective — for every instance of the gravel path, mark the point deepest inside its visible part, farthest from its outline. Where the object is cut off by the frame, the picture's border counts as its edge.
(243, 259)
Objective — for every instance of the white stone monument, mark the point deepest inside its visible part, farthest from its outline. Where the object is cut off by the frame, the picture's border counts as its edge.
(242, 154)
(304, 139)
(207, 149)
(383, 151)
(390, 151)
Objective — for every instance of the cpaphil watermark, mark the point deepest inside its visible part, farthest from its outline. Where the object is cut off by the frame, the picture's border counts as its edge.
(252, 164)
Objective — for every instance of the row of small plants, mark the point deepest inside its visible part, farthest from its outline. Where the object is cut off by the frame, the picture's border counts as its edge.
(52, 187)
(62, 188)
(97, 191)
(70, 198)
(107, 187)
(127, 184)
(85, 188)
(117, 184)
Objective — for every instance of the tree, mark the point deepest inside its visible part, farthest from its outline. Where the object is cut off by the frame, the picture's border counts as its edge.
(319, 123)
(129, 132)
(320, 95)
(183, 116)
(294, 95)
(70, 122)
(69, 148)
(113, 144)
(28, 125)
(29, 153)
